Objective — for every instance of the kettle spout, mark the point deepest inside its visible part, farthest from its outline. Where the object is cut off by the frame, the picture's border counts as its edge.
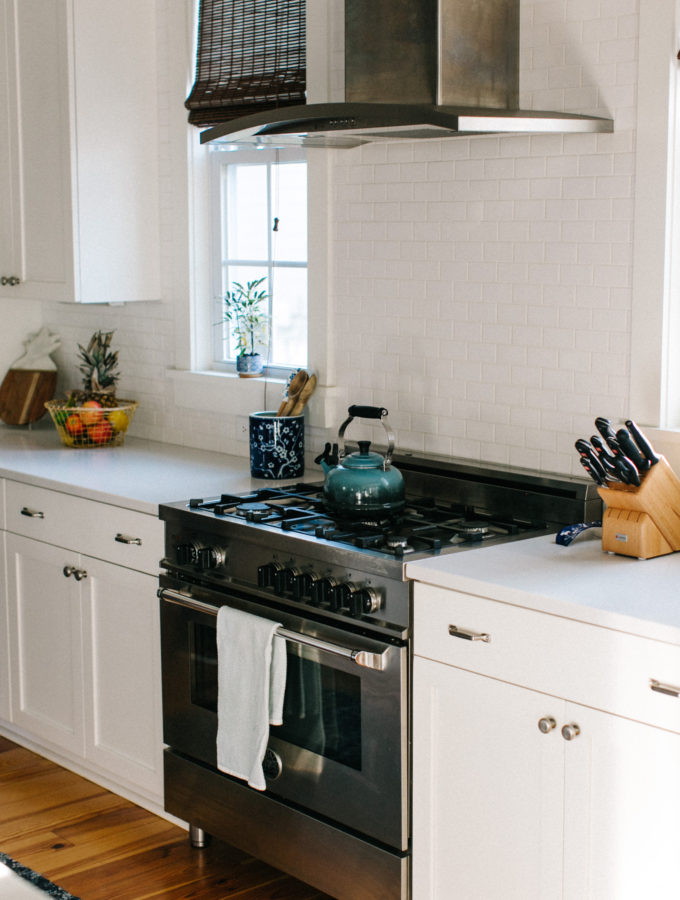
(329, 458)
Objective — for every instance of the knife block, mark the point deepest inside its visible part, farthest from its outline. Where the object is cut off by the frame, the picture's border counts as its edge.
(643, 521)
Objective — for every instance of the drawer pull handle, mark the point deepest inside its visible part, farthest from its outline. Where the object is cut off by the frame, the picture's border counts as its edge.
(455, 631)
(32, 513)
(126, 539)
(570, 732)
(546, 724)
(661, 688)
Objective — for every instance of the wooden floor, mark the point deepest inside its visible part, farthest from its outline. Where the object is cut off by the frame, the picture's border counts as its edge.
(100, 847)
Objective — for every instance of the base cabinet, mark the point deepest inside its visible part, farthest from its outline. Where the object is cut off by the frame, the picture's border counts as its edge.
(4, 632)
(518, 793)
(84, 636)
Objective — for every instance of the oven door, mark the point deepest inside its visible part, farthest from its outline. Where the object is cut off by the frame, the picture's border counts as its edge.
(342, 750)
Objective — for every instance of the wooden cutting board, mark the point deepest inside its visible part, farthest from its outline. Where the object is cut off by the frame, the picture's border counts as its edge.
(23, 393)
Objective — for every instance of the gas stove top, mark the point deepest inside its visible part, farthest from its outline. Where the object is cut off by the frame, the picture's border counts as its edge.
(280, 542)
(425, 525)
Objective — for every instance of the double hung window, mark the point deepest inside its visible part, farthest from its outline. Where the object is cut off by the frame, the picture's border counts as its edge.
(259, 220)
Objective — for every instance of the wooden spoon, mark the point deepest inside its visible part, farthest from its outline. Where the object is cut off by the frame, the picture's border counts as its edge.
(304, 395)
(297, 382)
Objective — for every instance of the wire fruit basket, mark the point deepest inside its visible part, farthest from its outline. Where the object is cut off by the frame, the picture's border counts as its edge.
(91, 425)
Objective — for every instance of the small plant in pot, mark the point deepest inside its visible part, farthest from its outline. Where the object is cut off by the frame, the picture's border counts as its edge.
(244, 309)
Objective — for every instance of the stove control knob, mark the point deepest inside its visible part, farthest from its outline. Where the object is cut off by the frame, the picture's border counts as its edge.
(283, 579)
(323, 591)
(302, 584)
(209, 558)
(266, 573)
(185, 554)
(369, 600)
(345, 597)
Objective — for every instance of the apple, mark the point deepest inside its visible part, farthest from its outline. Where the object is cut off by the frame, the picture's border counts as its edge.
(101, 433)
(93, 414)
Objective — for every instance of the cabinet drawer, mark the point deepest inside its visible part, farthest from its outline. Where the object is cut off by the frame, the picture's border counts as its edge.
(588, 664)
(126, 537)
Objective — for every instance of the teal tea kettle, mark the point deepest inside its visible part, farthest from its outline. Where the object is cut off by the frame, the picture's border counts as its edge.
(364, 484)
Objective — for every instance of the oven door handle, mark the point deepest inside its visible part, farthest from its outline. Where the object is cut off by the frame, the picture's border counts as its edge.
(363, 658)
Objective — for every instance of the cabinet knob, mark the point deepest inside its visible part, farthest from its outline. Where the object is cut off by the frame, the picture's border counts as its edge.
(10, 280)
(546, 724)
(571, 731)
(78, 574)
(68, 571)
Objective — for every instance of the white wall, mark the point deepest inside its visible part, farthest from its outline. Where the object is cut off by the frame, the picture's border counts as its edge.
(482, 286)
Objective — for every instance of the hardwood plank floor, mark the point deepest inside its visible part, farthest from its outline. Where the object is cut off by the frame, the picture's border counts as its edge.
(99, 846)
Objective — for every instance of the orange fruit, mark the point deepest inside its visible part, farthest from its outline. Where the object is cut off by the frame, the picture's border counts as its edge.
(93, 414)
(74, 424)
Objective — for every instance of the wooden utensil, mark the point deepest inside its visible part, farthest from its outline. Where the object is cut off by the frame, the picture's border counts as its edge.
(304, 395)
(297, 383)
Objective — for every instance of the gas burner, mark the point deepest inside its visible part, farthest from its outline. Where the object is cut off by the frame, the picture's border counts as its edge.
(253, 512)
(472, 528)
(396, 542)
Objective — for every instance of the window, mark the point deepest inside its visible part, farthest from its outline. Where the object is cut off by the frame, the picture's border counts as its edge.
(259, 225)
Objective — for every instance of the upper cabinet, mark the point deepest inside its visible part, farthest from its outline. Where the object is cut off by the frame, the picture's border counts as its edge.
(79, 151)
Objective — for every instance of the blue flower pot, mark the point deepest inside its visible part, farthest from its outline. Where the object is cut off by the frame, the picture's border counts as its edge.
(249, 365)
(277, 445)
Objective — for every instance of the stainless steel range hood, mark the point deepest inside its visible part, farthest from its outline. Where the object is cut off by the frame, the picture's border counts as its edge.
(431, 69)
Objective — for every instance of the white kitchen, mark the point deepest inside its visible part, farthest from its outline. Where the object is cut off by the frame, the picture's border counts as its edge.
(486, 297)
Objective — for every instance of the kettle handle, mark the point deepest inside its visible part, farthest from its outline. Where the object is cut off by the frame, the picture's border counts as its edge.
(368, 412)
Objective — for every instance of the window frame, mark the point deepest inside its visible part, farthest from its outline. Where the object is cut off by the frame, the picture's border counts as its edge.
(655, 320)
(217, 158)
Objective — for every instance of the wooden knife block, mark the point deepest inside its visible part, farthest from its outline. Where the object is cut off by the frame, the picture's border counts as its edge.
(643, 521)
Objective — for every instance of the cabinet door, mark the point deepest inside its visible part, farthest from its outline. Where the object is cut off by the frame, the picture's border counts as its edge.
(45, 642)
(35, 216)
(487, 789)
(622, 809)
(122, 675)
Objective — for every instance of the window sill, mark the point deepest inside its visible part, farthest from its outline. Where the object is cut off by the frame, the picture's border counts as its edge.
(227, 394)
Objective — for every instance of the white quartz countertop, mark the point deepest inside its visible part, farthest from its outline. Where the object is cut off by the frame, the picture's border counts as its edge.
(138, 475)
(576, 582)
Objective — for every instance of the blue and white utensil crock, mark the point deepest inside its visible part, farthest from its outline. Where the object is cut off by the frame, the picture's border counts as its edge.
(277, 445)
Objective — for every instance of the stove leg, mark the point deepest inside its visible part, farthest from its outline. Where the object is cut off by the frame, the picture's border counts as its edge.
(198, 838)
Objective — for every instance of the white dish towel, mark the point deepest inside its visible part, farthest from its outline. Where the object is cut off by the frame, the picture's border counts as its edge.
(251, 682)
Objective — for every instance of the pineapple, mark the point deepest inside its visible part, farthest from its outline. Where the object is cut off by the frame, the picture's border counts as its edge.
(99, 365)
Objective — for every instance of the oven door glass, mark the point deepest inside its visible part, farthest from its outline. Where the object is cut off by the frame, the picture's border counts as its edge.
(342, 748)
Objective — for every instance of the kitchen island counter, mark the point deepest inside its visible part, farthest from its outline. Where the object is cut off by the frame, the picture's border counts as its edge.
(137, 475)
(578, 582)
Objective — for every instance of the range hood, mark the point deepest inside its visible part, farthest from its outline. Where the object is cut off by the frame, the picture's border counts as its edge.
(426, 69)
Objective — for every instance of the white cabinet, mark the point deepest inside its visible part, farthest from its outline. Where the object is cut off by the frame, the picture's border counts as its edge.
(79, 151)
(85, 634)
(503, 805)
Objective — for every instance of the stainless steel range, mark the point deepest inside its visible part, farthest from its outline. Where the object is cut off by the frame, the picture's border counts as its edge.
(336, 812)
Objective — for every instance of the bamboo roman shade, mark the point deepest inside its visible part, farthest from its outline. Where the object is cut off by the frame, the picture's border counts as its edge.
(250, 57)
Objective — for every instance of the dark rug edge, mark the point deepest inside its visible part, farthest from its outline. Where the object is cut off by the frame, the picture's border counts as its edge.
(51, 889)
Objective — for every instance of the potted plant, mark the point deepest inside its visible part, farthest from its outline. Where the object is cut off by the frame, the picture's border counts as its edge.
(248, 320)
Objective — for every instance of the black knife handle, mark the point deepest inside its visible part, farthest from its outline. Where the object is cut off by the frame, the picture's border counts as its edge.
(631, 450)
(590, 469)
(588, 455)
(601, 447)
(626, 469)
(642, 442)
(604, 427)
